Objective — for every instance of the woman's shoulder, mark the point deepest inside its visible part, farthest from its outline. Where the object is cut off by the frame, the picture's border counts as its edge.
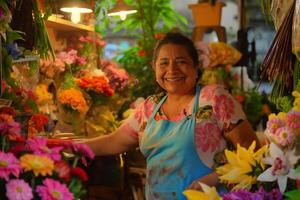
(155, 98)
(209, 92)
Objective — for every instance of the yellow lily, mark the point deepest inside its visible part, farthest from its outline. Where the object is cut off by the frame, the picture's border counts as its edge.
(209, 193)
(240, 165)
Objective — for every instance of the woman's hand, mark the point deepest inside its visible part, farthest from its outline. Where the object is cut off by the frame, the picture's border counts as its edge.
(211, 180)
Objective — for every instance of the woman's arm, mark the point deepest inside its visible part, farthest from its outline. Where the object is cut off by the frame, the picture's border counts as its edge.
(115, 143)
(211, 180)
(243, 134)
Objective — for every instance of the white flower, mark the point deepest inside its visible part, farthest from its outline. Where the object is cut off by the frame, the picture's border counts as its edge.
(282, 167)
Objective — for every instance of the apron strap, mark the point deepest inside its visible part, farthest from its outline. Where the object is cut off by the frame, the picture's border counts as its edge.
(195, 108)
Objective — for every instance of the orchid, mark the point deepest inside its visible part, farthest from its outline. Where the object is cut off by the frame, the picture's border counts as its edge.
(281, 169)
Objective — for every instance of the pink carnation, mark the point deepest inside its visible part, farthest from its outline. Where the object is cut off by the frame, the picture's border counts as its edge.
(18, 190)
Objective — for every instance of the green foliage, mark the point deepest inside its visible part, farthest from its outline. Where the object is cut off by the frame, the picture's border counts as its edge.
(253, 106)
(152, 18)
(68, 81)
(284, 103)
(266, 9)
(41, 40)
(292, 195)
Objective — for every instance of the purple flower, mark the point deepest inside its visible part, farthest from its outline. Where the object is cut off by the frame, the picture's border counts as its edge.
(261, 194)
(18, 190)
(13, 50)
(2, 13)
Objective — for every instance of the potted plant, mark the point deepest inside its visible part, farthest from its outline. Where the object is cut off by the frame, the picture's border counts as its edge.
(207, 12)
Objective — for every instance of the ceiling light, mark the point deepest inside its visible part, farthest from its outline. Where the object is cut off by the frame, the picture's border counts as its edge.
(121, 9)
(75, 7)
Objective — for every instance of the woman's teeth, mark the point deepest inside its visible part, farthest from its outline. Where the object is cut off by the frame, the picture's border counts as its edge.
(173, 79)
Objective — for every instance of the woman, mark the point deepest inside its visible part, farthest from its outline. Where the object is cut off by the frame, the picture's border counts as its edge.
(180, 133)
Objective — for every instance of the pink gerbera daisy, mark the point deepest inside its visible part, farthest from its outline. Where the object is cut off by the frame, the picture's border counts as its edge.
(284, 136)
(38, 146)
(9, 164)
(84, 151)
(274, 124)
(53, 190)
(18, 189)
(293, 119)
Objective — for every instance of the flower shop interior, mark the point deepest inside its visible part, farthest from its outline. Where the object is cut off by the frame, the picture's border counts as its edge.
(75, 70)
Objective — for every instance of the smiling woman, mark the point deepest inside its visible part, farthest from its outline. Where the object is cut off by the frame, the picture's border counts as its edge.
(181, 132)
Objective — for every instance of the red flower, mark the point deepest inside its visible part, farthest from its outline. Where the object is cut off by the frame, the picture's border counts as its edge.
(158, 36)
(142, 53)
(240, 98)
(17, 149)
(298, 184)
(63, 170)
(38, 121)
(80, 173)
(8, 110)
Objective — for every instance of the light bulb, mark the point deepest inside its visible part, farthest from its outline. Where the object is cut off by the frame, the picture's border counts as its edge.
(75, 17)
(123, 16)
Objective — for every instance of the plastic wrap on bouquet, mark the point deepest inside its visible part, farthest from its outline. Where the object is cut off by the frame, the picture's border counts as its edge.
(73, 106)
(26, 72)
(296, 31)
(70, 121)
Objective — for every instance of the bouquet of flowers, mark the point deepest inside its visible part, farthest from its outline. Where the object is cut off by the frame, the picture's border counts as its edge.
(73, 100)
(118, 78)
(96, 86)
(273, 171)
(38, 168)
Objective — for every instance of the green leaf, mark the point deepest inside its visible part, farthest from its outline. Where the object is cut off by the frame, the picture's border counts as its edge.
(292, 195)
(298, 169)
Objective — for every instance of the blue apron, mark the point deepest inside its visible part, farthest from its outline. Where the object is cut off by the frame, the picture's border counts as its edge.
(172, 161)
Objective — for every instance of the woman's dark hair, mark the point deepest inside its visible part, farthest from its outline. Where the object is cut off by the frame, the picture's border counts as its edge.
(179, 39)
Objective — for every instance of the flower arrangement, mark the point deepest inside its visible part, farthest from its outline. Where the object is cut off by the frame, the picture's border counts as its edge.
(73, 100)
(51, 68)
(38, 168)
(271, 172)
(73, 60)
(118, 78)
(96, 87)
(36, 124)
(217, 54)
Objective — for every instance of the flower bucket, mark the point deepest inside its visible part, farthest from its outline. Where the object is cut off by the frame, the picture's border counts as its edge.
(206, 14)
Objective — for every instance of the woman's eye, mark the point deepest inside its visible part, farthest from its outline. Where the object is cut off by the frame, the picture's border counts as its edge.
(180, 62)
(163, 64)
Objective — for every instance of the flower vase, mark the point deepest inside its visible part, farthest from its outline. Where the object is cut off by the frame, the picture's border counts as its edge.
(70, 121)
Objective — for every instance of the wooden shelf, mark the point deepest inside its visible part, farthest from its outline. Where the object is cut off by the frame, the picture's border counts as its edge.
(60, 24)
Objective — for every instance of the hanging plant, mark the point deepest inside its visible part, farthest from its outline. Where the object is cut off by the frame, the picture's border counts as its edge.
(41, 40)
(278, 65)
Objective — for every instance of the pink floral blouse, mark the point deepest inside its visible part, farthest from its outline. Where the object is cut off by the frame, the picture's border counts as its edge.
(217, 111)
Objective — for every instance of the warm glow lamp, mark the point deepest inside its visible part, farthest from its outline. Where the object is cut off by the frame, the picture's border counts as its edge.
(75, 7)
(121, 9)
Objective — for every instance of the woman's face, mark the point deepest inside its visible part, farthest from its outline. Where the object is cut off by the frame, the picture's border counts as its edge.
(175, 71)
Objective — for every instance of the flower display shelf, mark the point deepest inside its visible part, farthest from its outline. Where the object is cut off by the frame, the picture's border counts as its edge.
(58, 23)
